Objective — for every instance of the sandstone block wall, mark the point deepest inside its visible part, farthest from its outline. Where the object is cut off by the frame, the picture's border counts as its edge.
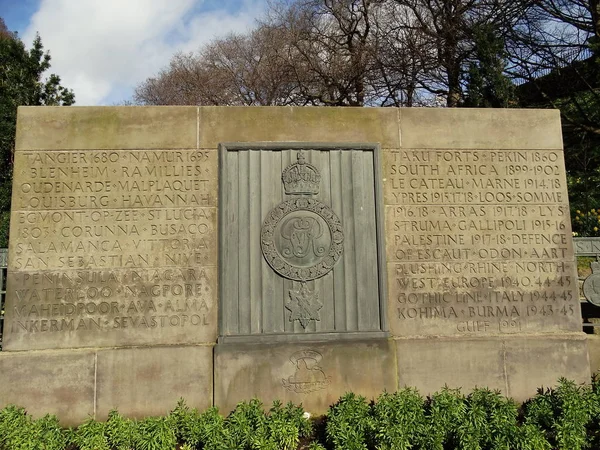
(114, 266)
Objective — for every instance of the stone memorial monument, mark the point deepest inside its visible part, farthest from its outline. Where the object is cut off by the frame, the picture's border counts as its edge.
(220, 254)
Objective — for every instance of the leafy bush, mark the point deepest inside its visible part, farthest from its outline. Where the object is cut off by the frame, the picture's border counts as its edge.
(244, 422)
(561, 418)
(90, 436)
(586, 223)
(212, 431)
(593, 430)
(349, 423)
(489, 421)
(119, 431)
(20, 431)
(282, 428)
(444, 412)
(154, 433)
(564, 414)
(399, 420)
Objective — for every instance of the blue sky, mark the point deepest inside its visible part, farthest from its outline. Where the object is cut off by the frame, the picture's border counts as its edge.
(16, 13)
(103, 48)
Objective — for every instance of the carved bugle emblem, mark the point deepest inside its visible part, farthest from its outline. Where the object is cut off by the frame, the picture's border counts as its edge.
(309, 375)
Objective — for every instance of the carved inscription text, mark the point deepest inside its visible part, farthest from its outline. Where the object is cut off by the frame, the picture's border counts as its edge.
(479, 241)
(112, 247)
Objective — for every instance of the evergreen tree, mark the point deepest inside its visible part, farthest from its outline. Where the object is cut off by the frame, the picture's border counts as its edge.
(21, 83)
(487, 84)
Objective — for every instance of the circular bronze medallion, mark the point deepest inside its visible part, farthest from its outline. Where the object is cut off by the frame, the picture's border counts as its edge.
(302, 239)
(591, 289)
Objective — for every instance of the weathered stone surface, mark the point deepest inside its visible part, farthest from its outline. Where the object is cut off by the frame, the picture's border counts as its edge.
(107, 308)
(478, 242)
(142, 382)
(52, 382)
(250, 124)
(515, 365)
(586, 246)
(431, 364)
(105, 239)
(112, 247)
(114, 244)
(114, 179)
(97, 127)
(314, 374)
(493, 128)
(593, 342)
(536, 361)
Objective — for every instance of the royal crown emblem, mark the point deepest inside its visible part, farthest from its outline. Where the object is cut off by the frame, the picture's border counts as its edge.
(301, 178)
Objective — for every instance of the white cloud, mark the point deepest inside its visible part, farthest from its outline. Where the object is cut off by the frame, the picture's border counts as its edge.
(102, 48)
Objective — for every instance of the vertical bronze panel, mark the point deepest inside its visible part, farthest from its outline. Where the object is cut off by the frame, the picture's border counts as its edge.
(319, 205)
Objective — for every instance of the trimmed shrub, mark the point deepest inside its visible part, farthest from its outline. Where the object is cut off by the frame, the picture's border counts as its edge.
(566, 417)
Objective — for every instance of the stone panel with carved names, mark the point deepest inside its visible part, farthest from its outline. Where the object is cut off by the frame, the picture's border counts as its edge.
(478, 242)
(112, 248)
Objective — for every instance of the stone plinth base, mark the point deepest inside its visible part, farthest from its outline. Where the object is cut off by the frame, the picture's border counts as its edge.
(594, 352)
(515, 365)
(315, 374)
(148, 381)
(57, 382)
(77, 384)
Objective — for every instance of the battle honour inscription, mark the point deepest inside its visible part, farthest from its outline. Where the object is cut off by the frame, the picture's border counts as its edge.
(112, 247)
(479, 242)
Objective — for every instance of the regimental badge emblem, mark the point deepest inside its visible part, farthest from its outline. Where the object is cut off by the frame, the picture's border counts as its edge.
(591, 285)
(304, 305)
(302, 239)
(309, 375)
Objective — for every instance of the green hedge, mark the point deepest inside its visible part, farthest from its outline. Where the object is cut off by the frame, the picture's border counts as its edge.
(565, 417)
